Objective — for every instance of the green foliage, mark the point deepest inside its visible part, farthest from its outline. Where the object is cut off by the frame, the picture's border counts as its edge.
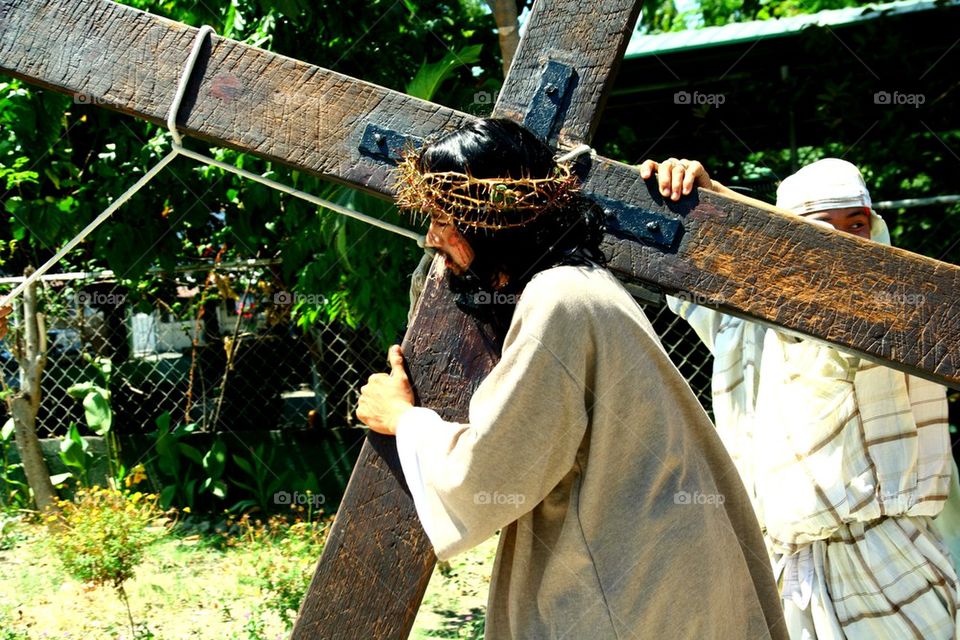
(214, 463)
(62, 162)
(75, 455)
(254, 628)
(175, 460)
(99, 415)
(200, 481)
(11, 532)
(96, 405)
(432, 74)
(263, 482)
(284, 555)
(100, 536)
(7, 632)
(14, 491)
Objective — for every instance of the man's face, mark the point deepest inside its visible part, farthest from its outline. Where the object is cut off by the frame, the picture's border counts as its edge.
(854, 220)
(445, 238)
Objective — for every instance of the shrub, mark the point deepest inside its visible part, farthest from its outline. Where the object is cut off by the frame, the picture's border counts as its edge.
(100, 536)
(285, 555)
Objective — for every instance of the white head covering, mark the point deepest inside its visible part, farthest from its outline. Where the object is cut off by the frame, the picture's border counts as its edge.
(830, 183)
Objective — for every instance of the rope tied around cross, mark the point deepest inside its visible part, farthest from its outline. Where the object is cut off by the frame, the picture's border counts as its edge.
(177, 149)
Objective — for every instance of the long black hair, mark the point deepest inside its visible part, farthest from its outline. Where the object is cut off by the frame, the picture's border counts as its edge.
(499, 148)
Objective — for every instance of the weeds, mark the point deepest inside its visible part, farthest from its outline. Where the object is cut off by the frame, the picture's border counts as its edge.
(100, 537)
(284, 556)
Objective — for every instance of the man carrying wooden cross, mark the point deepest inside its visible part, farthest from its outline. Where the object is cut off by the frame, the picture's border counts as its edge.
(847, 462)
(621, 514)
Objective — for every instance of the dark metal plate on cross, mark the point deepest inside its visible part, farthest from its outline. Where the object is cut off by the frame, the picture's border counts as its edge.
(754, 263)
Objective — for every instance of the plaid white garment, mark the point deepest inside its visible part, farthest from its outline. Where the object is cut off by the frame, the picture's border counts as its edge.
(843, 459)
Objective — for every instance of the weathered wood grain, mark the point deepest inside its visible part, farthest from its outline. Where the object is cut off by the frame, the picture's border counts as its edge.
(449, 354)
(312, 119)
(884, 303)
(590, 36)
(242, 97)
(377, 560)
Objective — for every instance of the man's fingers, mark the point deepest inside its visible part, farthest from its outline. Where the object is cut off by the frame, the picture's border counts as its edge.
(677, 180)
(373, 381)
(647, 168)
(395, 358)
(696, 175)
(665, 176)
(5, 311)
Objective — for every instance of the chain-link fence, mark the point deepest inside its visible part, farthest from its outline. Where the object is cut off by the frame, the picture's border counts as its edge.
(214, 351)
(686, 350)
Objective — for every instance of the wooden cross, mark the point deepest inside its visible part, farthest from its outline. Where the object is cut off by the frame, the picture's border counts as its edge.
(887, 304)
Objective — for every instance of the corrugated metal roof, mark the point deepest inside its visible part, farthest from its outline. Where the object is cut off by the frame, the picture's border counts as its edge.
(647, 45)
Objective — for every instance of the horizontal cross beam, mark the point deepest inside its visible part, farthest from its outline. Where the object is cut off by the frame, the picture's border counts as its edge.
(889, 305)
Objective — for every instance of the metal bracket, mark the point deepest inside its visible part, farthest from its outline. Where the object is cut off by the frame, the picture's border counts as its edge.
(551, 96)
(386, 144)
(641, 224)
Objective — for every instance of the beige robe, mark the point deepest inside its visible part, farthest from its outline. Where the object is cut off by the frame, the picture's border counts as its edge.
(622, 516)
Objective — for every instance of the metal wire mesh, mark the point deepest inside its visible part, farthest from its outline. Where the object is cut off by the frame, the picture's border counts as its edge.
(219, 359)
(685, 349)
(224, 361)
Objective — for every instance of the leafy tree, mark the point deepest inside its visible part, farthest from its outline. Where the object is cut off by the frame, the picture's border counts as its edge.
(836, 113)
(659, 16)
(62, 162)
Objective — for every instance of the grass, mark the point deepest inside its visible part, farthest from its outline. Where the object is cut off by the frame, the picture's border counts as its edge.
(191, 588)
(184, 589)
(456, 599)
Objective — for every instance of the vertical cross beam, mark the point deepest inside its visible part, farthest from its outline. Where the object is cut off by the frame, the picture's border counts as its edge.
(377, 560)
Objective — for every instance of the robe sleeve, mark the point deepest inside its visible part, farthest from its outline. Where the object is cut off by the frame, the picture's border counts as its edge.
(526, 423)
(706, 322)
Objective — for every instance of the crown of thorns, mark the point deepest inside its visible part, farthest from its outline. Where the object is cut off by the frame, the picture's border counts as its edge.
(482, 203)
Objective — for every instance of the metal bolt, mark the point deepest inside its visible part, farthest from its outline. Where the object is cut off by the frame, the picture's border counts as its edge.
(551, 89)
(653, 225)
(379, 138)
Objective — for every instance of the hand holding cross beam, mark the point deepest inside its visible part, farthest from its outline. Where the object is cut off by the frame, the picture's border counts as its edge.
(677, 178)
(386, 396)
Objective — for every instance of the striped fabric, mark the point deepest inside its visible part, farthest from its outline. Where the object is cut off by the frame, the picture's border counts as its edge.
(846, 463)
